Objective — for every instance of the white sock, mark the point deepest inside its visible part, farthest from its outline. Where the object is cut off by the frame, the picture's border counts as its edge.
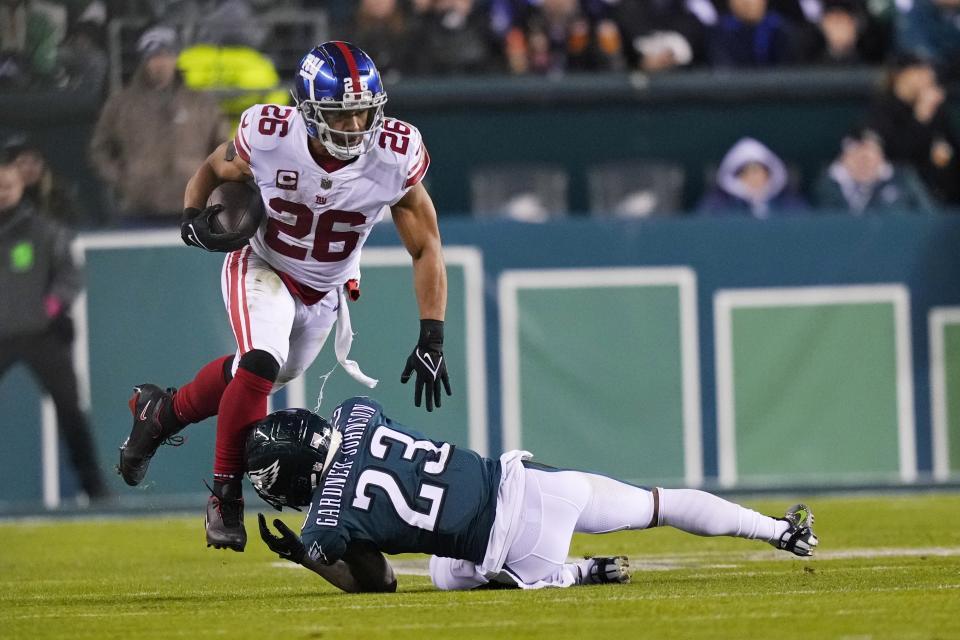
(580, 570)
(705, 514)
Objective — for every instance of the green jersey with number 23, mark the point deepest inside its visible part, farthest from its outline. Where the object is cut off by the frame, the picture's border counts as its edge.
(391, 486)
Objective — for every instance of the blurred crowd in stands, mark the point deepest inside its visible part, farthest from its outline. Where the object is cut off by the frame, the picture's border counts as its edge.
(64, 41)
(173, 74)
(555, 36)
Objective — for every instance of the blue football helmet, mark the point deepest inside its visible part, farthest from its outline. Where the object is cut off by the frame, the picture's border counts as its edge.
(339, 77)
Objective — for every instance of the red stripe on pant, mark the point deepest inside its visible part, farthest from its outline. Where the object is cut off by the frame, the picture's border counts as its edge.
(244, 402)
(237, 295)
(244, 311)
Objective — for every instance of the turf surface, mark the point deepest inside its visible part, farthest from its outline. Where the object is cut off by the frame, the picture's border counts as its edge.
(888, 567)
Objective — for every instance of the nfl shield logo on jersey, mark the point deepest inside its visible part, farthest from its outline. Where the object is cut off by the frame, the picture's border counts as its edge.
(326, 183)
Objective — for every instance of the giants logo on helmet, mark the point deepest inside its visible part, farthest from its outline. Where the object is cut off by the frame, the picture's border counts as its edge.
(265, 478)
(310, 66)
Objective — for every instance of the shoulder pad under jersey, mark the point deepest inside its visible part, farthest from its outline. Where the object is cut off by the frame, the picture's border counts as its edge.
(262, 128)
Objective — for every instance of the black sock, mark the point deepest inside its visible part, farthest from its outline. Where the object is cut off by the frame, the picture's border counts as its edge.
(227, 486)
(168, 418)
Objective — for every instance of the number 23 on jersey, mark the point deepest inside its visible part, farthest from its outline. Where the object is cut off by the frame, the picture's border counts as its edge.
(434, 463)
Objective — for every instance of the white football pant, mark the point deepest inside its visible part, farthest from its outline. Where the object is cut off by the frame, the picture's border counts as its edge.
(264, 315)
(558, 503)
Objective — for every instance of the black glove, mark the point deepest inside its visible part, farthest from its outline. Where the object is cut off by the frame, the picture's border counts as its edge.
(287, 545)
(427, 360)
(196, 232)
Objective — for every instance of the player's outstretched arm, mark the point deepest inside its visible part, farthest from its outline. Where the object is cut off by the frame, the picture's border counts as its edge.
(416, 220)
(363, 569)
(223, 165)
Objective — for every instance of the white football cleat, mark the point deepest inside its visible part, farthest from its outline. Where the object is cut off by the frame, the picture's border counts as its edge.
(799, 538)
(605, 570)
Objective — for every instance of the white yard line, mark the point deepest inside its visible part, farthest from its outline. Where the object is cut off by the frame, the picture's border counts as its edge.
(709, 560)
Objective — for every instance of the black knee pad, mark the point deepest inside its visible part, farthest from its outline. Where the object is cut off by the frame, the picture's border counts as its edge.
(260, 363)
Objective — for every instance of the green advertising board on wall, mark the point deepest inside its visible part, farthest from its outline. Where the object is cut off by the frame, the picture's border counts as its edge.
(944, 327)
(814, 385)
(600, 370)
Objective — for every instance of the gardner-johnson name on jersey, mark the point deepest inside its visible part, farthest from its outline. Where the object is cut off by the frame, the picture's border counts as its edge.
(331, 495)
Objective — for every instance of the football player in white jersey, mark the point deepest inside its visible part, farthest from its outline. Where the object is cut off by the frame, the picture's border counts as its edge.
(327, 169)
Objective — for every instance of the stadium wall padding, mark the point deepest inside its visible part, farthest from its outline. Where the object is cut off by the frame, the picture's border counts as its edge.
(730, 352)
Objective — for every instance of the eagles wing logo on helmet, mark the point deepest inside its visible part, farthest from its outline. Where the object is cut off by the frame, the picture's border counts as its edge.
(263, 479)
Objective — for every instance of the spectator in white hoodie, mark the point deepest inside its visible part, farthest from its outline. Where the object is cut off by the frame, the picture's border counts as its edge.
(751, 181)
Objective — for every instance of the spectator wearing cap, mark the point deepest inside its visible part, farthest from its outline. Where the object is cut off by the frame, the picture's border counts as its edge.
(47, 193)
(152, 134)
(861, 180)
(912, 120)
(930, 28)
(752, 181)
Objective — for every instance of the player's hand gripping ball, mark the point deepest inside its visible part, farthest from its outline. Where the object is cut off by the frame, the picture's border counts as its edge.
(232, 215)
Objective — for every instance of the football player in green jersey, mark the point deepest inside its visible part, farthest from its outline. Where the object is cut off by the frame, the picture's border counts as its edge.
(374, 486)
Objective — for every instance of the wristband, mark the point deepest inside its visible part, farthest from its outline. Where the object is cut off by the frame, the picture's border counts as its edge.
(431, 334)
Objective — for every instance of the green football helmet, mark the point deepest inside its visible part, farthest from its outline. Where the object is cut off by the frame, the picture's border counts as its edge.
(287, 453)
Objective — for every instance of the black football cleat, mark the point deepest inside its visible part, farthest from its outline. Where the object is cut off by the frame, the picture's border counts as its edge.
(224, 519)
(148, 432)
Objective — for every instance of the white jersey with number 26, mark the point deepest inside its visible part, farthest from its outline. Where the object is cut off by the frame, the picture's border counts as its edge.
(317, 221)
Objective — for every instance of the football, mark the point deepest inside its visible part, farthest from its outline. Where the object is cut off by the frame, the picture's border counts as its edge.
(242, 209)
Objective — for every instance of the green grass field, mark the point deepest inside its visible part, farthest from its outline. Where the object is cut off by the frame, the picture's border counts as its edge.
(887, 567)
